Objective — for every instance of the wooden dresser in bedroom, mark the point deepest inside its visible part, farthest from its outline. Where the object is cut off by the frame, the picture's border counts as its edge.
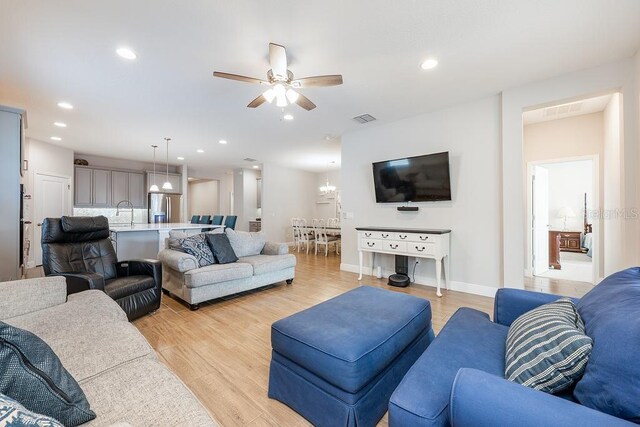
(566, 241)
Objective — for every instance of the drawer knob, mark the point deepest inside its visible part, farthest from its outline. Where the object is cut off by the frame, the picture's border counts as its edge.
(371, 244)
(385, 236)
(424, 237)
(367, 234)
(393, 246)
(420, 249)
(403, 236)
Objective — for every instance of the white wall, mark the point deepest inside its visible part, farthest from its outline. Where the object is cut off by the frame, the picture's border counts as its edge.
(471, 134)
(245, 196)
(617, 76)
(613, 224)
(326, 210)
(286, 194)
(568, 183)
(204, 198)
(47, 159)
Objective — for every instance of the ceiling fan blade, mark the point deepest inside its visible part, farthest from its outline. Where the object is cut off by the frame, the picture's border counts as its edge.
(238, 77)
(278, 60)
(257, 102)
(318, 81)
(305, 102)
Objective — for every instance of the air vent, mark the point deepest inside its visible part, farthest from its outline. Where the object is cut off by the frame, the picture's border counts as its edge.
(249, 159)
(365, 118)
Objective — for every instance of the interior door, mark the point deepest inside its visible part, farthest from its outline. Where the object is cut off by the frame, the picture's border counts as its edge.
(51, 200)
(540, 234)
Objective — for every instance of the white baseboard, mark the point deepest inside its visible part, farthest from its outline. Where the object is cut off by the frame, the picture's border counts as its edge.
(454, 285)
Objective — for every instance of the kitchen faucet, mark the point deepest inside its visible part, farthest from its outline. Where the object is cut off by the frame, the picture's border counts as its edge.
(130, 205)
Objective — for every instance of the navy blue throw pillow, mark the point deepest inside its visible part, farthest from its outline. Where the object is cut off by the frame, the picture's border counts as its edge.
(32, 374)
(221, 248)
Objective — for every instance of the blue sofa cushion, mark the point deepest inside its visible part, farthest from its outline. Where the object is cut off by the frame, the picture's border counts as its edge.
(547, 348)
(611, 314)
(468, 340)
(32, 374)
(351, 338)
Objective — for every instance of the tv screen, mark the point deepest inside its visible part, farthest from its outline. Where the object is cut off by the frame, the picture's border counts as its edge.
(413, 179)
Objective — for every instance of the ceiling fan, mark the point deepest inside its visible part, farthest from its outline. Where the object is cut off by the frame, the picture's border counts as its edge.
(282, 84)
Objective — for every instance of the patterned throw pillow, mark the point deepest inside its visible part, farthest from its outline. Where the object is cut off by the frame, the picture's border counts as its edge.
(31, 373)
(195, 245)
(14, 414)
(547, 348)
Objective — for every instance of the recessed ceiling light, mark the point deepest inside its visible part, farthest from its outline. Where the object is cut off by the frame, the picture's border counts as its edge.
(200, 150)
(287, 117)
(429, 64)
(255, 166)
(222, 141)
(180, 158)
(65, 105)
(56, 138)
(60, 124)
(126, 53)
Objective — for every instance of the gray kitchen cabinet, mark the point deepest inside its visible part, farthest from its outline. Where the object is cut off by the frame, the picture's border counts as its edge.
(137, 190)
(83, 187)
(119, 186)
(101, 187)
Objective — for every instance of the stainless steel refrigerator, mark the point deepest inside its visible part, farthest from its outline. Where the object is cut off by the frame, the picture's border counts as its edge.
(164, 207)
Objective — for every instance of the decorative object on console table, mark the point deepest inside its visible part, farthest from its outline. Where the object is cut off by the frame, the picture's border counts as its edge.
(418, 243)
(554, 250)
(564, 213)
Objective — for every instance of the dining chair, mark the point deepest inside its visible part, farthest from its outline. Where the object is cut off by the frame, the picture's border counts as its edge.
(217, 219)
(296, 233)
(195, 219)
(307, 236)
(334, 223)
(322, 238)
(230, 221)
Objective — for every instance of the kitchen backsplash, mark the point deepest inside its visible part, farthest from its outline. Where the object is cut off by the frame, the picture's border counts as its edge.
(139, 215)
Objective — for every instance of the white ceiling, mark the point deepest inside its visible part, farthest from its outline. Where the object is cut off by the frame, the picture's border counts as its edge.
(64, 50)
(571, 109)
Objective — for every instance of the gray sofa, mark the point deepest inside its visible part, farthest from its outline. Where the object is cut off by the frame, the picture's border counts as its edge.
(260, 263)
(117, 369)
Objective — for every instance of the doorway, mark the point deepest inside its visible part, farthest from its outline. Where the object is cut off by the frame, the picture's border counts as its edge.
(51, 200)
(563, 195)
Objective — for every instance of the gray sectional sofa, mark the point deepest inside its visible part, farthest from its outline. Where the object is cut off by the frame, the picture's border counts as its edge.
(260, 263)
(125, 383)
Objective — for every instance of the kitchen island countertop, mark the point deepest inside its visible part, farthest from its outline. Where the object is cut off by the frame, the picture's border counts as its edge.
(123, 228)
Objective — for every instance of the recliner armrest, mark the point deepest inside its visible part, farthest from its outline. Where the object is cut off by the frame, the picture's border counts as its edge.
(272, 248)
(78, 282)
(481, 399)
(177, 260)
(511, 303)
(141, 267)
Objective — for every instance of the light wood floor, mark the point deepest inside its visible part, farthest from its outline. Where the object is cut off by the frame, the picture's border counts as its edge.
(222, 351)
(563, 287)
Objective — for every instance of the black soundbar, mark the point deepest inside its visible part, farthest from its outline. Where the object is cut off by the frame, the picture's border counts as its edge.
(408, 208)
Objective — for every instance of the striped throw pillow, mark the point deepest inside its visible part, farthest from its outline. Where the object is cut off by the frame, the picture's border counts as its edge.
(547, 348)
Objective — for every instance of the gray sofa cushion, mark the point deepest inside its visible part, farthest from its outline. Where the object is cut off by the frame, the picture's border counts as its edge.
(40, 293)
(143, 393)
(32, 374)
(245, 243)
(217, 273)
(267, 263)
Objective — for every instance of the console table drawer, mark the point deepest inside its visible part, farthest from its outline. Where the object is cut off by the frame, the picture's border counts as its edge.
(419, 248)
(415, 237)
(384, 235)
(394, 246)
(371, 244)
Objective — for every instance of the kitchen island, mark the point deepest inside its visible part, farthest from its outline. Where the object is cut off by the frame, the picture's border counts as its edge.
(144, 241)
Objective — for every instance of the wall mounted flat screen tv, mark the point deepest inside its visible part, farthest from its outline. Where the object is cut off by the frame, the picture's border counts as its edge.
(413, 179)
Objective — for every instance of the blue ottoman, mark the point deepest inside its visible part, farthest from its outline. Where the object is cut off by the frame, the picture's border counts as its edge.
(337, 363)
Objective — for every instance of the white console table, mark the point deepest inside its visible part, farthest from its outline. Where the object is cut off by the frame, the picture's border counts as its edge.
(419, 243)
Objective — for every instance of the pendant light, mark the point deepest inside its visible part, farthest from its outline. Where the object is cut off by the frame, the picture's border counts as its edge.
(154, 188)
(167, 185)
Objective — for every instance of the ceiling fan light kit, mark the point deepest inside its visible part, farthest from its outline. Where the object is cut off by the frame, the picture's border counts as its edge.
(282, 82)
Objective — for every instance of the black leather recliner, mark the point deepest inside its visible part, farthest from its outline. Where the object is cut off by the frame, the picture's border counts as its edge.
(79, 249)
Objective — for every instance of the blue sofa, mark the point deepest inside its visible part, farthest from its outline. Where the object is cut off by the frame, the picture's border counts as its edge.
(459, 380)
